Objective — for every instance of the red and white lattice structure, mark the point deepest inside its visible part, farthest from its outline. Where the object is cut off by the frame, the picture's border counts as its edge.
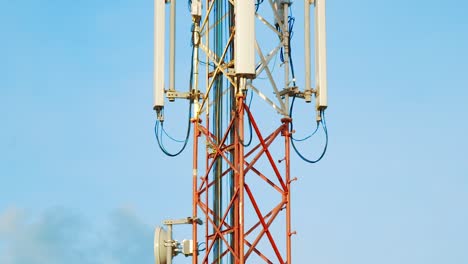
(241, 183)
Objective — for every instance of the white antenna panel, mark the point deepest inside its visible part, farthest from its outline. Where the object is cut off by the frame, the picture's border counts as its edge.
(320, 54)
(159, 48)
(244, 40)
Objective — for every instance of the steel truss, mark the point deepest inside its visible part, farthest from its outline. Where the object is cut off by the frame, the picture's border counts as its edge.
(235, 235)
(241, 227)
(242, 231)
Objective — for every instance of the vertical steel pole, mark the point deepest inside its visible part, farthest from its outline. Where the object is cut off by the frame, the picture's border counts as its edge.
(286, 53)
(287, 137)
(237, 178)
(207, 119)
(196, 46)
(217, 130)
(235, 211)
(234, 158)
(195, 190)
(240, 107)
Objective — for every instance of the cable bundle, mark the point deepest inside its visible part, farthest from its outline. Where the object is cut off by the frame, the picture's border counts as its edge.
(324, 126)
(159, 130)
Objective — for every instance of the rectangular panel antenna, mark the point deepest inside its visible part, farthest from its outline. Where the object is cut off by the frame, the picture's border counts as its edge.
(320, 55)
(244, 40)
(307, 64)
(159, 49)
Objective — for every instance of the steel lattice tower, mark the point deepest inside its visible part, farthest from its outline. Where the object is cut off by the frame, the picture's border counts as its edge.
(233, 172)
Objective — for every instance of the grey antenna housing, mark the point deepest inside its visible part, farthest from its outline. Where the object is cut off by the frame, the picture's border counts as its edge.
(160, 251)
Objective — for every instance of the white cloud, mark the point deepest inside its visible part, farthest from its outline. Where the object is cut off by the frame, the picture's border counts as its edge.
(60, 236)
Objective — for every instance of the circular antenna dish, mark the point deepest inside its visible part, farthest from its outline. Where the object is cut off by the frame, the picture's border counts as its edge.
(160, 251)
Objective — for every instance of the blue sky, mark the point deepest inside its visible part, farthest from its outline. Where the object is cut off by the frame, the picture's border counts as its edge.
(78, 156)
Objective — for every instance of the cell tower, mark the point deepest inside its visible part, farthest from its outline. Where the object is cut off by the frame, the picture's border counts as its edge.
(241, 172)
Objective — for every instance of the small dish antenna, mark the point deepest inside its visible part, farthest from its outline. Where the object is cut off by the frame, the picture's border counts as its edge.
(165, 248)
(160, 251)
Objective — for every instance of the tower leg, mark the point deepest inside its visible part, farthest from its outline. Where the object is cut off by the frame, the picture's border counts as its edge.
(195, 198)
(287, 137)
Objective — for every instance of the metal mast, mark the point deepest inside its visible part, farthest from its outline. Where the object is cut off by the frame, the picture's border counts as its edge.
(241, 184)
